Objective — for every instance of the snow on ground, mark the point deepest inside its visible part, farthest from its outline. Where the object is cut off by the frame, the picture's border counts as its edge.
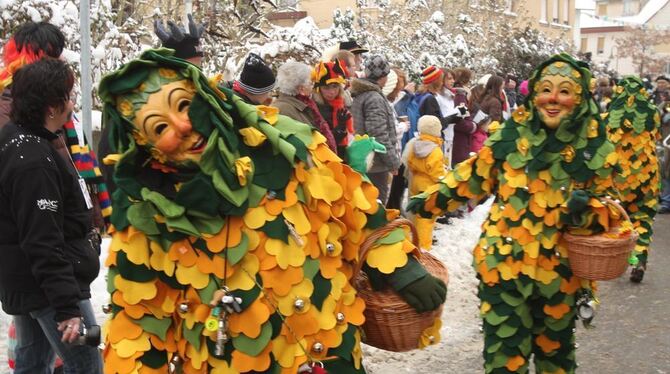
(460, 348)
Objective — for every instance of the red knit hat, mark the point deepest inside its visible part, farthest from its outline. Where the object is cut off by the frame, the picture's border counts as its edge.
(325, 73)
(431, 74)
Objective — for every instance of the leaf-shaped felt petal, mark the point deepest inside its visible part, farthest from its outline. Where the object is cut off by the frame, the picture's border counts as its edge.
(387, 258)
(134, 292)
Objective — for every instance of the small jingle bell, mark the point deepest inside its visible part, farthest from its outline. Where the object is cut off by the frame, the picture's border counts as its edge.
(183, 307)
(317, 347)
(271, 195)
(330, 247)
(508, 239)
(107, 308)
(563, 188)
(431, 339)
(299, 304)
(558, 254)
(340, 317)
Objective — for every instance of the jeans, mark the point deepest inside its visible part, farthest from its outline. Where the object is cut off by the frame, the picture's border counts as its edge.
(38, 341)
(665, 194)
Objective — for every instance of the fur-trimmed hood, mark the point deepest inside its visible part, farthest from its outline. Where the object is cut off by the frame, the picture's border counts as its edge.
(362, 85)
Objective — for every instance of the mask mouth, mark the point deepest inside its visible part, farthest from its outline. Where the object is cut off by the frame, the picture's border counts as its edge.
(553, 112)
(199, 146)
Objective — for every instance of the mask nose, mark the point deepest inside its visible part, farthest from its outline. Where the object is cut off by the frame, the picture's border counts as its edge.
(182, 125)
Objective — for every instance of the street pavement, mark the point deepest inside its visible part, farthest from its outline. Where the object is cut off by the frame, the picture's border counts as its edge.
(632, 333)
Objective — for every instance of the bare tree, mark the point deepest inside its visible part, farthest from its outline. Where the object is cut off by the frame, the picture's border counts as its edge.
(639, 43)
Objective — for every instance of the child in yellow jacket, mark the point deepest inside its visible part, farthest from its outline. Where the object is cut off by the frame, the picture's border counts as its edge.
(424, 162)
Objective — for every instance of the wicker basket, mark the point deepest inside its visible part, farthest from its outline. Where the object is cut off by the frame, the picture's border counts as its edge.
(597, 257)
(390, 323)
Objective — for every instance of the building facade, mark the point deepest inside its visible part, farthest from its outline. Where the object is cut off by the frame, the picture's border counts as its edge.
(554, 17)
(603, 22)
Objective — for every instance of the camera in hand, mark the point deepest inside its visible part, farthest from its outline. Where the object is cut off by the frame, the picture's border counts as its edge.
(88, 336)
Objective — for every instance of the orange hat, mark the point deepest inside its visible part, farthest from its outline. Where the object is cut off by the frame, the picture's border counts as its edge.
(431, 74)
(325, 73)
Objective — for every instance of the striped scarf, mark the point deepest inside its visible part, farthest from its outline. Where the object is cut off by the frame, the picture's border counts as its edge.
(86, 163)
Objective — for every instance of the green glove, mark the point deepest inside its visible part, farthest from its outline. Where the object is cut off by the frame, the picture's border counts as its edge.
(578, 202)
(414, 284)
(425, 294)
(577, 206)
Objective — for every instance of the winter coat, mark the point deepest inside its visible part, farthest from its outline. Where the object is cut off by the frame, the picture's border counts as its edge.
(45, 220)
(425, 162)
(374, 116)
(5, 106)
(492, 106)
(463, 130)
(478, 139)
(292, 107)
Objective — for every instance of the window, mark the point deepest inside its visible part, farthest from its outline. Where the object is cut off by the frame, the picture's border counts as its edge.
(543, 11)
(628, 8)
(602, 10)
(566, 12)
(601, 45)
(583, 47)
(510, 6)
(554, 17)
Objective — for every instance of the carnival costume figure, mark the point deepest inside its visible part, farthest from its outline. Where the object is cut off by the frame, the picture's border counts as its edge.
(235, 232)
(548, 167)
(633, 124)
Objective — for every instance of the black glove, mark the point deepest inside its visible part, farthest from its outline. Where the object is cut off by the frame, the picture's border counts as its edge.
(339, 133)
(462, 111)
(343, 115)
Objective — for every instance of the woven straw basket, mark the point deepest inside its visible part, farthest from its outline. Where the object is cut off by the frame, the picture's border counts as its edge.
(390, 323)
(597, 257)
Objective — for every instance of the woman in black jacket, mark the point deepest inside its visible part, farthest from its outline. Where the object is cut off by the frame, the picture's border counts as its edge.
(48, 258)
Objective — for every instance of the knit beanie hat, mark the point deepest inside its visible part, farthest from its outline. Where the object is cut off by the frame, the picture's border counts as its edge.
(325, 73)
(376, 67)
(186, 44)
(256, 78)
(431, 74)
(430, 125)
(390, 83)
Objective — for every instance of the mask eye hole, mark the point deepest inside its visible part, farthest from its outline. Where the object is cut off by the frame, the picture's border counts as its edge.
(160, 128)
(183, 105)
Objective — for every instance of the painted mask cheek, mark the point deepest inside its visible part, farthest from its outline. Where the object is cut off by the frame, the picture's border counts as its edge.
(168, 142)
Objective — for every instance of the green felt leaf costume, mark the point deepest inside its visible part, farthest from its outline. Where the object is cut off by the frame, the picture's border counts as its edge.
(268, 211)
(526, 288)
(633, 125)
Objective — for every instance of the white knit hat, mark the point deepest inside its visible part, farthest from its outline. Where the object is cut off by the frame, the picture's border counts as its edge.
(430, 125)
(390, 83)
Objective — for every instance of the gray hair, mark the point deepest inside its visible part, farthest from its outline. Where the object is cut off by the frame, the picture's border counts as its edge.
(291, 76)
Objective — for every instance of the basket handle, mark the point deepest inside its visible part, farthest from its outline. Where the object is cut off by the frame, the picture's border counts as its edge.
(367, 244)
(618, 206)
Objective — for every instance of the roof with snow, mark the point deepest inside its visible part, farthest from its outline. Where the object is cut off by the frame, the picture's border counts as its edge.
(587, 20)
(648, 11)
